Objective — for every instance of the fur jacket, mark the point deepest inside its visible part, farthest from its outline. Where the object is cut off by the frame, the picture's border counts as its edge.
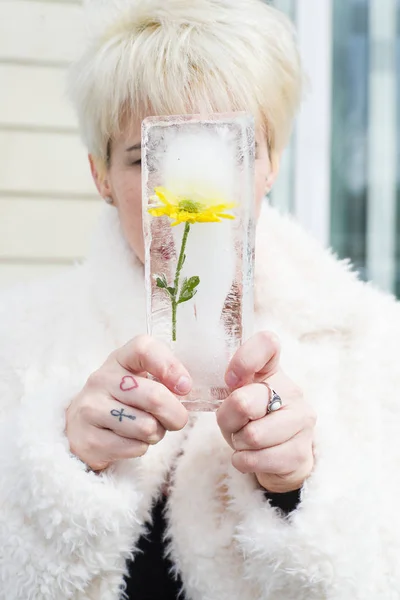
(66, 533)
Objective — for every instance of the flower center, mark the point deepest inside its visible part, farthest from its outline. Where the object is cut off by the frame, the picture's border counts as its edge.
(190, 206)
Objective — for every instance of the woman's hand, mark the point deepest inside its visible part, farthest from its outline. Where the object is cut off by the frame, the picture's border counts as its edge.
(277, 447)
(120, 412)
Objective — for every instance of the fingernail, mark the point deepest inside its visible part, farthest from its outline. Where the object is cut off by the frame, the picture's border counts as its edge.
(184, 385)
(231, 379)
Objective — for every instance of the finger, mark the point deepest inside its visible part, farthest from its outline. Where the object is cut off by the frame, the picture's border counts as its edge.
(146, 354)
(256, 360)
(129, 422)
(242, 406)
(102, 447)
(274, 429)
(144, 394)
(281, 484)
(282, 460)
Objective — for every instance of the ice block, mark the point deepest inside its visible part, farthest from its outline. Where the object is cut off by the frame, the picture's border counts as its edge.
(199, 229)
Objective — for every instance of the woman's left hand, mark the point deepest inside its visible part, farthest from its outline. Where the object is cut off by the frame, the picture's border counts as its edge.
(276, 447)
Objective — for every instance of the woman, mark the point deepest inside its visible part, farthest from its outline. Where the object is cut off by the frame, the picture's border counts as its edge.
(297, 503)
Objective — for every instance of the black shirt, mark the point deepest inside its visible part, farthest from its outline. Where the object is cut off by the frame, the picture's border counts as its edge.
(150, 575)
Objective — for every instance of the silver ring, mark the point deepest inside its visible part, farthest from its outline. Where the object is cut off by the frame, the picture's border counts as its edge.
(275, 401)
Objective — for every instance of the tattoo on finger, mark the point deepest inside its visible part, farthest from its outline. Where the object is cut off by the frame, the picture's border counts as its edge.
(128, 383)
(121, 414)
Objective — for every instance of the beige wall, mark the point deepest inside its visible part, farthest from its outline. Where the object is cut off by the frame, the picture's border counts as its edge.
(48, 203)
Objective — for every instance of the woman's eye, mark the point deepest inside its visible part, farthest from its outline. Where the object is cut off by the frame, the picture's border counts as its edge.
(137, 162)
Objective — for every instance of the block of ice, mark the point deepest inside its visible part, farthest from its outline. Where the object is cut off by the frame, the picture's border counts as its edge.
(199, 224)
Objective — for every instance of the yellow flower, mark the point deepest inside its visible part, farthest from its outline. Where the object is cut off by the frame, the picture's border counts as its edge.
(185, 209)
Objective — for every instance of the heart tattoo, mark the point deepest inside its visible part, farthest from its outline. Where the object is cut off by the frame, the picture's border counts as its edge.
(128, 383)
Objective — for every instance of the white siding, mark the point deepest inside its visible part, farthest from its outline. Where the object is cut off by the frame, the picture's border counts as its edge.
(33, 161)
(48, 203)
(52, 230)
(33, 31)
(34, 95)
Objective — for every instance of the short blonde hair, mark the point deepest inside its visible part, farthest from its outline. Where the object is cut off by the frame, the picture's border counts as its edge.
(158, 57)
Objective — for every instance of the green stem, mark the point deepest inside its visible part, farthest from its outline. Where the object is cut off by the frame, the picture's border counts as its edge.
(176, 281)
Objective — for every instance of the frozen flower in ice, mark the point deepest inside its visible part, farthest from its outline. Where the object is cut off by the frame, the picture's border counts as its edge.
(189, 209)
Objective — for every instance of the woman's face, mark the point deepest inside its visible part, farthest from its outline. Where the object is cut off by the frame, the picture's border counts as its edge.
(123, 182)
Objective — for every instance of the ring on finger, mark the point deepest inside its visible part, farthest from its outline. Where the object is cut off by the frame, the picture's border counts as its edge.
(274, 401)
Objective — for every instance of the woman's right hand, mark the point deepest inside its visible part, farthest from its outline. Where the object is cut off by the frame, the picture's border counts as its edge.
(120, 412)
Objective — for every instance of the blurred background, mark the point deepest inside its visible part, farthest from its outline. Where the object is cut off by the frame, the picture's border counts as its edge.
(340, 175)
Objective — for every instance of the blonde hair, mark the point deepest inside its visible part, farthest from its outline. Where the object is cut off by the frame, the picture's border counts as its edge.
(158, 57)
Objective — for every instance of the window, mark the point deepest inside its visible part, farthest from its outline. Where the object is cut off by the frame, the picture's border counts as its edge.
(365, 136)
(341, 174)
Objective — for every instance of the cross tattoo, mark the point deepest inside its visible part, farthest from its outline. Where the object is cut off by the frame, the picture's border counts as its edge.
(121, 415)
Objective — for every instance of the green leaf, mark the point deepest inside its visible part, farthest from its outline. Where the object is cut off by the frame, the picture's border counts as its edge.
(193, 282)
(162, 281)
(186, 296)
(163, 284)
(188, 289)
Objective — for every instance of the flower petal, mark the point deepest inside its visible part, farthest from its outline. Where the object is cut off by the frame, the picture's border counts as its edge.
(226, 216)
(180, 210)
(159, 211)
(166, 196)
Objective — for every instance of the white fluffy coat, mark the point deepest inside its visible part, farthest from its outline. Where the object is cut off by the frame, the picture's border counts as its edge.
(66, 533)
